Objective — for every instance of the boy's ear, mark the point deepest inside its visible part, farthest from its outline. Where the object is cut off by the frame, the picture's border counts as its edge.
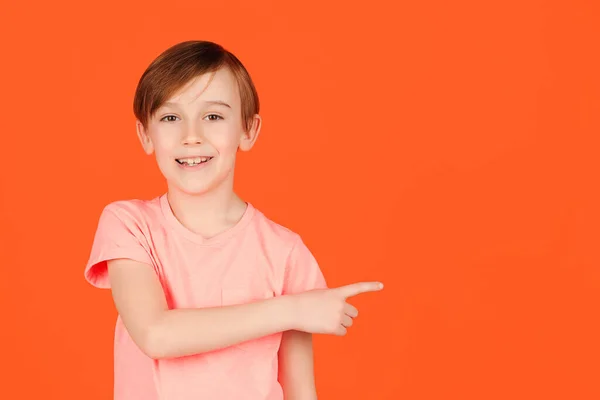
(144, 137)
(249, 137)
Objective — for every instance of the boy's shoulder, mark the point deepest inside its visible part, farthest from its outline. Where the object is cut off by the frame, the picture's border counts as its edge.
(133, 209)
(132, 205)
(274, 229)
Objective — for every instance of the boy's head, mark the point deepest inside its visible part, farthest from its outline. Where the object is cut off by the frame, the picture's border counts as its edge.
(195, 106)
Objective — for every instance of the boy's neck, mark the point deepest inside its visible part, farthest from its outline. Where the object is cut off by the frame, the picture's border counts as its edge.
(207, 214)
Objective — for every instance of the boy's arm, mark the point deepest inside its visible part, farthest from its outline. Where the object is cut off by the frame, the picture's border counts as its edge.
(163, 333)
(296, 371)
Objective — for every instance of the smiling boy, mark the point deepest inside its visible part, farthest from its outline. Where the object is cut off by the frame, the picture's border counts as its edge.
(215, 300)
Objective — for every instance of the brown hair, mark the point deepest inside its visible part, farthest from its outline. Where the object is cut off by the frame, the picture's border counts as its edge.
(182, 62)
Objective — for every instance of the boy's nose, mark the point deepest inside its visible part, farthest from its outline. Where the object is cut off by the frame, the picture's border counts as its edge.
(192, 140)
(193, 135)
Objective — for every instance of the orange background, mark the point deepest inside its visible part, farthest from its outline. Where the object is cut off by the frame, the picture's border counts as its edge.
(449, 149)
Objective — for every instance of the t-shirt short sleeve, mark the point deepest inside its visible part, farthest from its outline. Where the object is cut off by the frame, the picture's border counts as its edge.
(302, 271)
(118, 235)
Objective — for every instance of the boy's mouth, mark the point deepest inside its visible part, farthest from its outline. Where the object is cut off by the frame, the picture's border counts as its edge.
(191, 161)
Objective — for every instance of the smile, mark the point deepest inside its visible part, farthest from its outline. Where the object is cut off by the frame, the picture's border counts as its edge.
(191, 161)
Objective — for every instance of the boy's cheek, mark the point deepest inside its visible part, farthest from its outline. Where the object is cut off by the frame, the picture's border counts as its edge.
(223, 144)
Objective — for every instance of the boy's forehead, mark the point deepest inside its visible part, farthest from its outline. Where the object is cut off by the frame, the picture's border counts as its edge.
(215, 86)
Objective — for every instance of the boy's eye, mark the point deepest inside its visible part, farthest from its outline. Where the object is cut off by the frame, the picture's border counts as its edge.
(217, 117)
(168, 116)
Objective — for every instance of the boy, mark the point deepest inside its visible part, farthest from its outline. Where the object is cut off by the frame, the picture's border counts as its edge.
(215, 301)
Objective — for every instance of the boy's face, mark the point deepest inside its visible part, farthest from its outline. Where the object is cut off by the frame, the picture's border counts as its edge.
(195, 137)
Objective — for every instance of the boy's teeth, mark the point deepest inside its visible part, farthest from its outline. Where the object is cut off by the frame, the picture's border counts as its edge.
(193, 161)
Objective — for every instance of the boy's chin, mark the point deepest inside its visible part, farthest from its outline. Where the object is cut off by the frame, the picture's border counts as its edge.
(194, 188)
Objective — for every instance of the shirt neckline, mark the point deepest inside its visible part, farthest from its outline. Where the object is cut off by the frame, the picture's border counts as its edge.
(177, 226)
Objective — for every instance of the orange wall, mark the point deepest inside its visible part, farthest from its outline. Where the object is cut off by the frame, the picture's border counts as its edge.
(449, 149)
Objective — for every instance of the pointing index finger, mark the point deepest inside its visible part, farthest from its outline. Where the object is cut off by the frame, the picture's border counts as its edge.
(360, 287)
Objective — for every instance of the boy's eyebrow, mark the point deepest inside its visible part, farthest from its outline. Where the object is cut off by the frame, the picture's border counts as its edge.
(215, 102)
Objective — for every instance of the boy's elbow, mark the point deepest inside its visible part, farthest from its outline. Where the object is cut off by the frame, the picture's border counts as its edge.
(151, 349)
(153, 344)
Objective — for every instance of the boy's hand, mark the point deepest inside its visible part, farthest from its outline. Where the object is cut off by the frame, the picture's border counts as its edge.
(326, 311)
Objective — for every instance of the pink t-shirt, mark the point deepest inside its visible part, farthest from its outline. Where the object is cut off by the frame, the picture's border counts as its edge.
(255, 259)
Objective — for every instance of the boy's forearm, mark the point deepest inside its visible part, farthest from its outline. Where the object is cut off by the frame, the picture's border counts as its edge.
(296, 370)
(182, 332)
